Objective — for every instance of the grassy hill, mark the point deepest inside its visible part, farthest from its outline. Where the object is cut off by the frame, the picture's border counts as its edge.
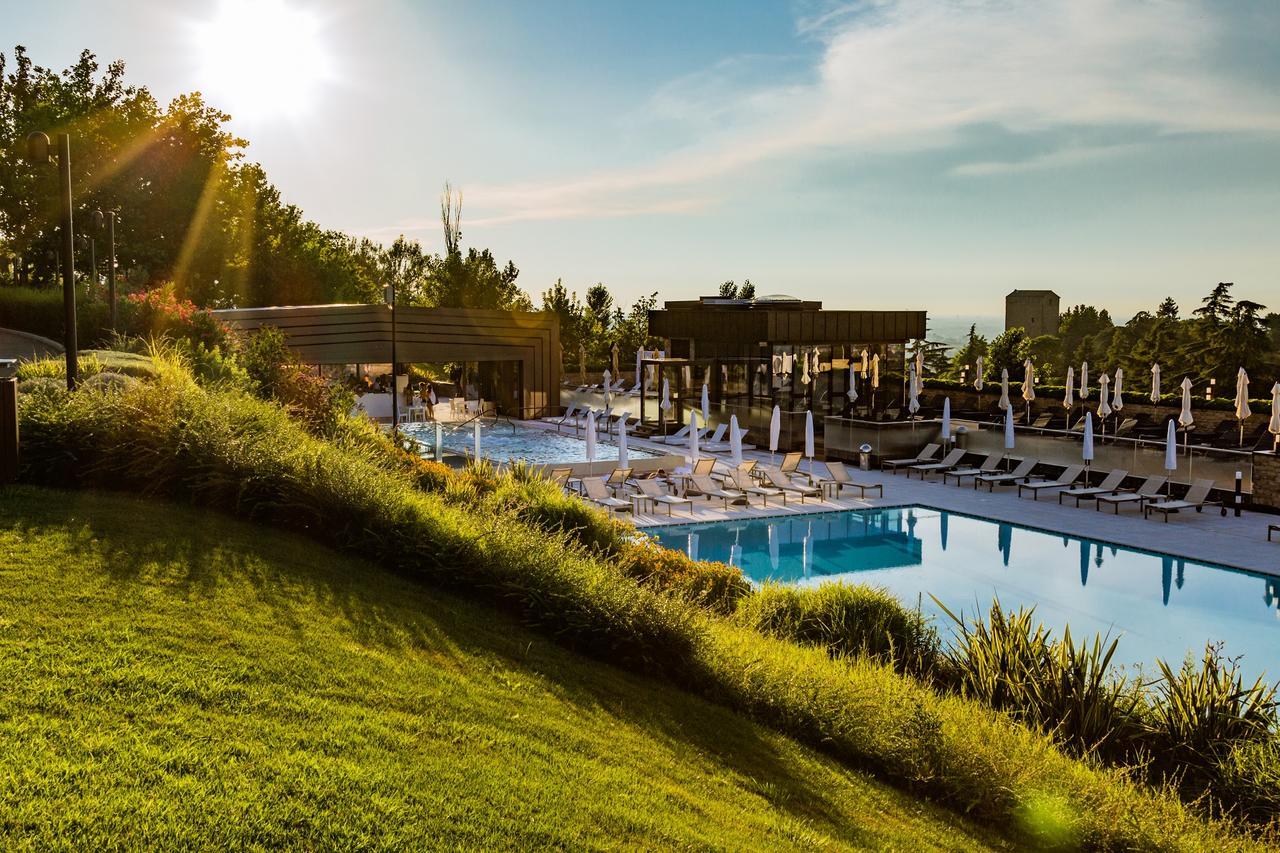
(176, 678)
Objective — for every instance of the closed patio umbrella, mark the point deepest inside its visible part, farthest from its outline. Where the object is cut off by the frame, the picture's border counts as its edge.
(1185, 420)
(1009, 438)
(1028, 381)
(591, 437)
(1242, 401)
(1084, 380)
(622, 443)
(693, 436)
(865, 363)
(775, 429)
(805, 378)
(1069, 397)
(1086, 452)
(853, 386)
(1170, 451)
(1117, 390)
(1273, 426)
(1004, 388)
(979, 371)
(608, 390)
(1155, 383)
(875, 371)
(665, 403)
(1104, 405)
(639, 356)
(913, 391)
(706, 405)
(920, 360)
(735, 440)
(808, 441)
(946, 419)
(613, 352)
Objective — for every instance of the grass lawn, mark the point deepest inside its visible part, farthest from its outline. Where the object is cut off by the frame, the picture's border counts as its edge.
(174, 678)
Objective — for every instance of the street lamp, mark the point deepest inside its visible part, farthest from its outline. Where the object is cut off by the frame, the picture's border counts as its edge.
(38, 151)
(395, 392)
(111, 265)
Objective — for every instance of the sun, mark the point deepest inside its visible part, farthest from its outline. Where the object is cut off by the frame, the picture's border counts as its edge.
(262, 59)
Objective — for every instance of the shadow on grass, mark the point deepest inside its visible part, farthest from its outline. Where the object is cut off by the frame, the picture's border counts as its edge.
(290, 574)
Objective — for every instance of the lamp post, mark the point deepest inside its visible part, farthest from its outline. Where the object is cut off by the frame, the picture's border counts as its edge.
(111, 265)
(395, 392)
(95, 226)
(38, 151)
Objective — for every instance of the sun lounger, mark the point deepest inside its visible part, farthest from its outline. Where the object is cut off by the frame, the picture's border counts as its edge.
(1023, 471)
(567, 417)
(742, 481)
(617, 479)
(726, 445)
(840, 480)
(1065, 480)
(778, 480)
(1109, 485)
(790, 462)
(1197, 498)
(926, 455)
(653, 492)
(1148, 491)
(598, 493)
(704, 466)
(716, 438)
(702, 484)
(990, 465)
(951, 460)
(680, 435)
(560, 476)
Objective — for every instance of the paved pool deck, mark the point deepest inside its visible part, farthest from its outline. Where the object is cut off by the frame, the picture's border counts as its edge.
(1205, 537)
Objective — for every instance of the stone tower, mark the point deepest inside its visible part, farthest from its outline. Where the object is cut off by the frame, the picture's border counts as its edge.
(1034, 310)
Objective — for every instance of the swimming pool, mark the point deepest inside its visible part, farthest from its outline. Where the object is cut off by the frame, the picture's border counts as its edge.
(505, 441)
(1159, 606)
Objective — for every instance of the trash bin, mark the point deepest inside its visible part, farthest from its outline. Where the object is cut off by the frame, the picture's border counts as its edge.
(864, 457)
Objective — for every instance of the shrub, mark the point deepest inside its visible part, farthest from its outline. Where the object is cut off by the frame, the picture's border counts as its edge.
(716, 586)
(40, 312)
(160, 313)
(1246, 783)
(845, 620)
(276, 373)
(109, 381)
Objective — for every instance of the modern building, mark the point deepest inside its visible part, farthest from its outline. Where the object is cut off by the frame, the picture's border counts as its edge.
(1033, 310)
(511, 357)
(754, 354)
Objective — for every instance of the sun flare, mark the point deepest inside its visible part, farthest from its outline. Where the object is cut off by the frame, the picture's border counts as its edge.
(262, 59)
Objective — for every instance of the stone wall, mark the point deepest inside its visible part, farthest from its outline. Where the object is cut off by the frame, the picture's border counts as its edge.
(1266, 480)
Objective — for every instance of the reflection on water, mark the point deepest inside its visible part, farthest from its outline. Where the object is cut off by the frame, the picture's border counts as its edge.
(1163, 606)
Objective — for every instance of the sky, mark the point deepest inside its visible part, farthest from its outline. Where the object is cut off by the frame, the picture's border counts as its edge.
(890, 154)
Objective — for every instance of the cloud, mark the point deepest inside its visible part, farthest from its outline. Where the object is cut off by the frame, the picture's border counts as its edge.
(903, 75)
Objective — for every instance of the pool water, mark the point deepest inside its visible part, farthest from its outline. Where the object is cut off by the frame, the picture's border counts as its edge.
(1159, 606)
(504, 441)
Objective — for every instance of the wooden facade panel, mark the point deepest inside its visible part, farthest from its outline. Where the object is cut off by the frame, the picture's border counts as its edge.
(709, 325)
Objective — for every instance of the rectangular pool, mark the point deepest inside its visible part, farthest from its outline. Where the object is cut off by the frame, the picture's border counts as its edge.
(504, 441)
(1159, 606)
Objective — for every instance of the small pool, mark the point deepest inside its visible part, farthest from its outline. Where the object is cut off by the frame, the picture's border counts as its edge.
(504, 441)
(1159, 606)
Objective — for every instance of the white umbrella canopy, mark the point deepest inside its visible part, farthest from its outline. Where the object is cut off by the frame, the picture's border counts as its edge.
(1117, 390)
(853, 385)
(622, 443)
(1069, 398)
(591, 437)
(920, 361)
(979, 371)
(1004, 388)
(1086, 452)
(665, 403)
(808, 439)
(946, 419)
(1028, 381)
(1242, 395)
(1171, 447)
(639, 356)
(693, 436)
(875, 370)
(913, 391)
(1155, 383)
(1104, 406)
(608, 390)
(1273, 426)
(1185, 419)
(866, 361)
(775, 429)
(735, 440)
(1009, 438)
(706, 404)
(1084, 380)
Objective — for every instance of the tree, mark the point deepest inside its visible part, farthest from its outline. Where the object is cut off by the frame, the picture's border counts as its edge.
(747, 291)
(1006, 351)
(728, 290)
(1077, 325)
(965, 360)
(599, 306)
(565, 305)
(473, 280)
(1168, 309)
(1044, 352)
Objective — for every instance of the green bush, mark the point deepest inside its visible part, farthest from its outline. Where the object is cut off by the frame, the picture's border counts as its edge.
(40, 312)
(1247, 783)
(226, 450)
(717, 586)
(846, 621)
